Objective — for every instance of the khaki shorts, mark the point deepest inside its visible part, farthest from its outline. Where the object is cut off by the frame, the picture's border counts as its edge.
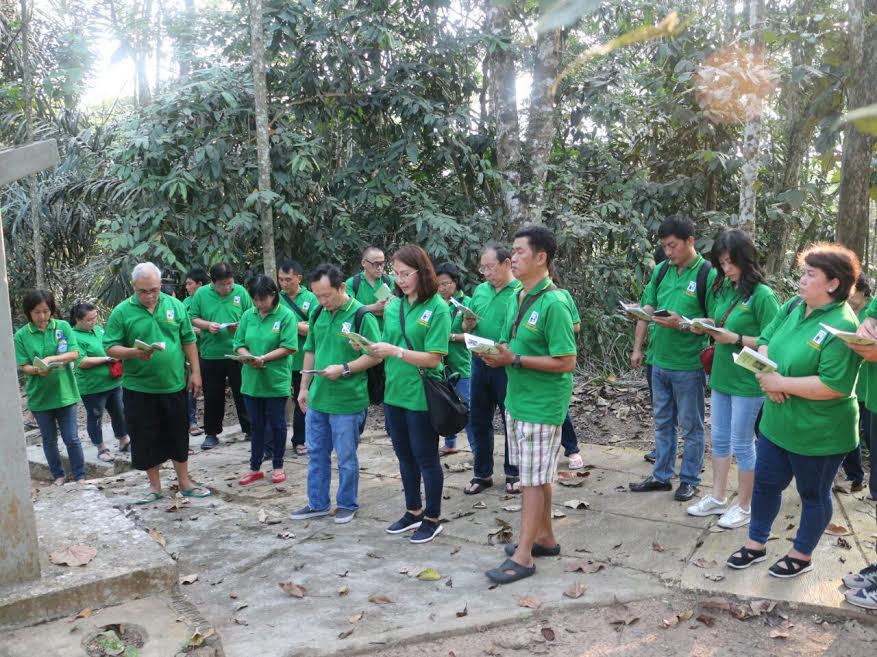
(535, 449)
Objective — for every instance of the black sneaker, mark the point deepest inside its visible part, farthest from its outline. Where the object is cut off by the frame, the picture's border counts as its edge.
(685, 492)
(407, 522)
(744, 557)
(209, 442)
(427, 531)
(650, 484)
(307, 512)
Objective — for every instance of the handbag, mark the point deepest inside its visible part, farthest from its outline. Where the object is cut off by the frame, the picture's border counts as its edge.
(708, 353)
(115, 369)
(448, 414)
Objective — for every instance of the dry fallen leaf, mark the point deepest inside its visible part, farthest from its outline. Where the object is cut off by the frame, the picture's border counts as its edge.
(344, 590)
(779, 634)
(379, 599)
(511, 508)
(548, 634)
(530, 603)
(557, 514)
(292, 589)
(346, 633)
(584, 565)
(429, 575)
(685, 615)
(479, 505)
(657, 547)
(715, 603)
(158, 537)
(189, 579)
(575, 591)
(357, 617)
(707, 619)
(837, 530)
(705, 563)
(73, 555)
(464, 612)
(198, 637)
(714, 577)
(85, 613)
(577, 504)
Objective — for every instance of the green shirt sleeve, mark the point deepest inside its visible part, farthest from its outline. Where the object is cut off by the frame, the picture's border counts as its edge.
(505, 335)
(650, 293)
(439, 332)
(289, 332)
(871, 308)
(239, 341)
(195, 304)
(559, 332)
(838, 366)
(710, 299)
(766, 308)
(778, 319)
(246, 301)
(369, 329)
(309, 340)
(20, 348)
(187, 333)
(72, 342)
(114, 331)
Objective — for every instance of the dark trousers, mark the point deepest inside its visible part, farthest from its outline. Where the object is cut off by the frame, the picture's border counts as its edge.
(415, 443)
(852, 463)
(95, 404)
(487, 392)
(268, 415)
(214, 374)
(568, 438)
(298, 418)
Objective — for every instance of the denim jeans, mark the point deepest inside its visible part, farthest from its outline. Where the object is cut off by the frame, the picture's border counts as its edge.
(50, 422)
(654, 451)
(488, 388)
(568, 439)
(732, 427)
(814, 475)
(328, 431)
(193, 410)
(462, 387)
(685, 391)
(416, 445)
(95, 404)
(268, 429)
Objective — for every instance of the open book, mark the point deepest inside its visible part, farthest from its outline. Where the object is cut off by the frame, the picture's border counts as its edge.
(317, 372)
(480, 345)
(363, 342)
(636, 310)
(707, 325)
(229, 325)
(754, 361)
(40, 364)
(383, 292)
(849, 338)
(242, 358)
(145, 346)
(467, 312)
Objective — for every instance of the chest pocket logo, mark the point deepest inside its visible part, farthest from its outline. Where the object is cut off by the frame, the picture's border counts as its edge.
(306, 305)
(345, 327)
(237, 300)
(170, 315)
(534, 317)
(691, 290)
(816, 341)
(424, 318)
(276, 327)
(59, 335)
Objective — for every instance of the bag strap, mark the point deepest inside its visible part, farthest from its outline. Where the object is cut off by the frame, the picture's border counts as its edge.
(361, 312)
(298, 311)
(728, 312)
(404, 334)
(357, 280)
(795, 303)
(702, 276)
(526, 306)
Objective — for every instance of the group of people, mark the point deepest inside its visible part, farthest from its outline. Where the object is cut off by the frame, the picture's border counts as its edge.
(293, 343)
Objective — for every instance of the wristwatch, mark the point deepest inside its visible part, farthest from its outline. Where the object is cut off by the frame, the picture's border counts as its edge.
(516, 362)
(346, 372)
(739, 341)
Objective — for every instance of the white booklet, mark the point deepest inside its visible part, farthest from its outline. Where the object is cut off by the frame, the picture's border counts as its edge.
(383, 292)
(754, 362)
(229, 325)
(241, 358)
(40, 364)
(707, 325)
(636, 310)
(363, 342)
(145, 346)
(467, 312)
(479, 345)
(849, 338)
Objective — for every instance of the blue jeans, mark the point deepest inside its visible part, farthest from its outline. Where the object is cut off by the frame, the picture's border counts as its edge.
(50, 422)
(654, 451)
(416, 445)
(732, 427)
(193, 410)
(488, 388)
(95, 404)
(684, 391)
(267, 425)
(325, 432)
(568, 439)
(814, 475)
(463, 388)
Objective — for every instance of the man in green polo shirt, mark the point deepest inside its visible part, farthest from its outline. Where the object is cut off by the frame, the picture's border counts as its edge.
(302, 303)
(538, 350)
(154, 379)
(196, 278)
(335, 396)
(490, 301)
(216, 309)
(366, 283)
(676, 289)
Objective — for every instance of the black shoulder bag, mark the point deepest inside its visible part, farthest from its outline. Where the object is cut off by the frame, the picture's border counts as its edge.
(448, 414)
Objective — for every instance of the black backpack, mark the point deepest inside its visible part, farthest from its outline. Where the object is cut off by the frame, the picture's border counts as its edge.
(357, 281)
(702, 275)
(376, 376)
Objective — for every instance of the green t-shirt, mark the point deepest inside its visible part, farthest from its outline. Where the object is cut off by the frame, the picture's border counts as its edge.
(307, 303)
(94, 379)
(428, 326)
(459, 358)
(58, 389)
(865, 369)
(801, 347)
(673, 349)
(749, 317)
(165, 372)
(208, 305)
(187, 303)
(491, 306)
(347, 395)
(365, 294)
(545, 330)
(867, 392)
(571, 305)
(261, 335)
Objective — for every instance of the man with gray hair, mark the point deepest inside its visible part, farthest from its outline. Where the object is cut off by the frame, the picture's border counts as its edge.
(152, 333)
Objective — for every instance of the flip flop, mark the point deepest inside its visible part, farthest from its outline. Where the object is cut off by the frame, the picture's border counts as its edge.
(197, 491)
(537, 550)
(500, 576)
(301, 450)
(105, 455)
(479, 485)
(151, 496)
(195, 430)
(512, 486)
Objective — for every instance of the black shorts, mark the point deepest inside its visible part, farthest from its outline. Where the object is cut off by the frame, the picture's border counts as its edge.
(158, 425)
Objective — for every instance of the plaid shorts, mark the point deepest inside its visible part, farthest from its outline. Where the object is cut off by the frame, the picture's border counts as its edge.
(535, 449)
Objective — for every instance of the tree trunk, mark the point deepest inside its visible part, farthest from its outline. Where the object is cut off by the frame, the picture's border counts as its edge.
(184, 50)
(33, 200)
(263, 146)
(853, 204)
(750, 147)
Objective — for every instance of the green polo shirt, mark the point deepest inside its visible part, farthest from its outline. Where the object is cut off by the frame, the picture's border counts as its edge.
(307, 303)
(366, 292)
(571, 304)
(208, 305)
(491, 306)
(94, 379)
(749, 317)
(165, 372)
(673, 349)
(347, 395)
(187, 303)
(867, 389)
(58, 389)
(545, 330)
(428, 326)
(801, 347)
(261, 335)
(459, 358)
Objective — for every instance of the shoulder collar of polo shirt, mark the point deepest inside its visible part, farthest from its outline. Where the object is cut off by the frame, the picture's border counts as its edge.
(79, 330)
(346, 307)
(694, 263)
(831, 305)
(51, 325)
(514, 284)
(541, 285)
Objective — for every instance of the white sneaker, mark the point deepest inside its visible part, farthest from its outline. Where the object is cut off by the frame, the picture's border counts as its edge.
(575, 462)
(708, 506)
(734, 517)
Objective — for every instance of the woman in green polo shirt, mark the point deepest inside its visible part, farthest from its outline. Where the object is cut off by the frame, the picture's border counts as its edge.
(744, 307)
(267, 336)
(99, 379)
(810, 417)
(417, 327)
(50, 386)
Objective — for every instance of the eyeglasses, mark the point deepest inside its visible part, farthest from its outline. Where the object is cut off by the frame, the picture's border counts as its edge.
(405, 275)
(446, 284)
(488, 269)
(377, 264)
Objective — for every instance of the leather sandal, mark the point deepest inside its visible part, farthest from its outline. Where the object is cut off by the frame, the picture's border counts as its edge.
(477, 485)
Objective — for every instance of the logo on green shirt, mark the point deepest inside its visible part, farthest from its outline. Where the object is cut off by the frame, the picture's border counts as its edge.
(816, 341)
(237, 300)
(170, 314)
(534, 317)
(424, 318)
(276, 327)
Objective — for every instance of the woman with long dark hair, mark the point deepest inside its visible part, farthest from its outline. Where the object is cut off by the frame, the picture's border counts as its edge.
(744, 307)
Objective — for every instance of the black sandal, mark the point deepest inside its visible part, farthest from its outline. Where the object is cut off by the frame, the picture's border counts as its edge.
(479, 485)
(510, 483)
(536, 551)
(744, 557)
(790, 567)
(500, 576)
